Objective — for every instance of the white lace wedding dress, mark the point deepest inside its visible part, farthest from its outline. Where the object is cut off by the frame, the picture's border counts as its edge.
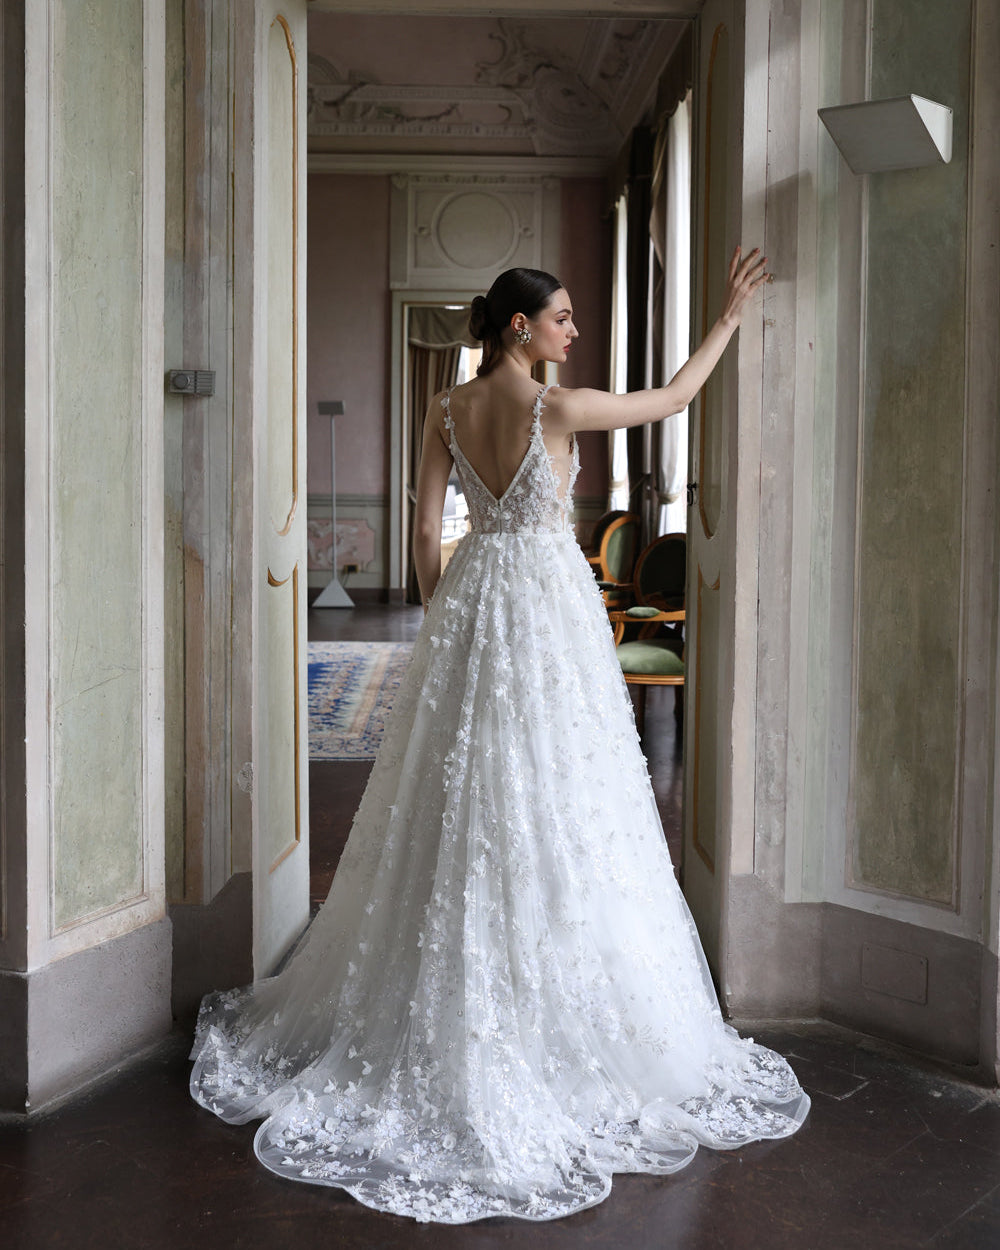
(503, 1001)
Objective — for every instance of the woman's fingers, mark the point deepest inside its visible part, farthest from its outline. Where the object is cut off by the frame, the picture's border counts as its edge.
(746, 273)
(752, 261)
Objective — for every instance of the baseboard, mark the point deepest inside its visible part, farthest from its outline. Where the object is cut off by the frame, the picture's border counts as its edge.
(773, 959)
(989, 1042)
(930, 991)
(912, 985)
(68, 1022)
(13, 1041)
(213, 946)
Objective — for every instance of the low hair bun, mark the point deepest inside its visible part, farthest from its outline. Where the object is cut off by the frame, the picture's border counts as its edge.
(479, 318)
(524, 291)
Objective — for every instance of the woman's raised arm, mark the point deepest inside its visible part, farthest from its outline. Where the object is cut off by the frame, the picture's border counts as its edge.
(586, 409)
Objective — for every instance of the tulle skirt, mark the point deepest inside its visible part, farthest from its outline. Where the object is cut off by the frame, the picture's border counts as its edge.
(503, 1001)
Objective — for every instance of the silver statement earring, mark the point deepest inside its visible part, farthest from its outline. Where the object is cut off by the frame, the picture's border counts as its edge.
(522, 336)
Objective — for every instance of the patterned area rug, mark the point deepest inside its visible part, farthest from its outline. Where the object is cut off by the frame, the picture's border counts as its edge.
(351, 688)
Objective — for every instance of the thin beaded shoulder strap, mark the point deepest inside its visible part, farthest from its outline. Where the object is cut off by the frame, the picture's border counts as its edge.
(539, 404)
(446, 405)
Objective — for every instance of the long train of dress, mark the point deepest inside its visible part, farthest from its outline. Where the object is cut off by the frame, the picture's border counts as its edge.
(503, 1001)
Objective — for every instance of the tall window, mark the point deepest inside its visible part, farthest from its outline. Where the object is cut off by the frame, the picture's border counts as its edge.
(673, 466)
(618, 450)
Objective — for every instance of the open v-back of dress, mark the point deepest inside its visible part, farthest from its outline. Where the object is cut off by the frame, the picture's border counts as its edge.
(503, 1001)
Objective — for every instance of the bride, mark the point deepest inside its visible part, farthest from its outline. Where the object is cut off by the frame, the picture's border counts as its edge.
(503, 1001)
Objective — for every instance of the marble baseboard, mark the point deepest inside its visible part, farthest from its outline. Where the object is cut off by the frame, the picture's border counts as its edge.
(919, 987)
(69, 1022)
(902, 982)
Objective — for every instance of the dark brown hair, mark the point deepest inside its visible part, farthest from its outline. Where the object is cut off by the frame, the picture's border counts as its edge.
(515, 291)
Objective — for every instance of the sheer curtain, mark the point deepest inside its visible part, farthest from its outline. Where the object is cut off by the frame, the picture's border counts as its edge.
(618, 490)
(675, 242)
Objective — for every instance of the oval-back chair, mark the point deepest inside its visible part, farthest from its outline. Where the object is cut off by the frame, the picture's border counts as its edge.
(614, 558)
(656, 656)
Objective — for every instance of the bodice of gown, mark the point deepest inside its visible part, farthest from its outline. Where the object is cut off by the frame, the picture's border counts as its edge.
(539, 496)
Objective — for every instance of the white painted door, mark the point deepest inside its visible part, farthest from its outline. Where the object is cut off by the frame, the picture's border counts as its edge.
(280, 839)
(711, 659)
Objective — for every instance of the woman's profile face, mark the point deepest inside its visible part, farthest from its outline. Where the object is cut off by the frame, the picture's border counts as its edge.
(552, 329)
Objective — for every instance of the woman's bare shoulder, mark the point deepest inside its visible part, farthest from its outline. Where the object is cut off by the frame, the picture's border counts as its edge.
(565, 406)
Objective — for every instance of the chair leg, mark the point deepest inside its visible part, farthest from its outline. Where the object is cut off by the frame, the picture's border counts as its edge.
(640, 711)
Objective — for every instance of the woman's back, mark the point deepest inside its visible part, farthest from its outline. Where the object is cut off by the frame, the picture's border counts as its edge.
(493, 418)
(495, 422)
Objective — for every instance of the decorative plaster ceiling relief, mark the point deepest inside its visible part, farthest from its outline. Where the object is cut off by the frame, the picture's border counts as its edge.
(574, 88)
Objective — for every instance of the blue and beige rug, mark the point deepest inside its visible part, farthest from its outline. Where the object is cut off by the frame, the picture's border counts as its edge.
(351, 688)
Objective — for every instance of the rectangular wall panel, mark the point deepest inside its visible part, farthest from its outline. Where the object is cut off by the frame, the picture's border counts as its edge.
(96, 432)
(909, 592)
(282, 827)
(282, 294)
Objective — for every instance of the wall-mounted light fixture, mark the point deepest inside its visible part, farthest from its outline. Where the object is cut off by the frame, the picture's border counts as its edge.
(906, 132)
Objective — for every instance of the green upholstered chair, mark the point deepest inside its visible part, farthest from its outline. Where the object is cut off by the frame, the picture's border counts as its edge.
(600, 525)
(661, 573)
(613, 559)
(655, 656)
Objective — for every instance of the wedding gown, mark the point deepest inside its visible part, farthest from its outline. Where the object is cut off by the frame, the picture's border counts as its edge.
(503, 1001)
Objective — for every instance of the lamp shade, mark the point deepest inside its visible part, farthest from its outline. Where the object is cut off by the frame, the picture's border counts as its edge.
(906, 132)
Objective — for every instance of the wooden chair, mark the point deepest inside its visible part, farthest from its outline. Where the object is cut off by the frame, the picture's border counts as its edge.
(655, 657)
(613, 559)
(600, 525)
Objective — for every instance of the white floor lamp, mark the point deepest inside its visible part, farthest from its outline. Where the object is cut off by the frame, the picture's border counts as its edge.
(333, 594)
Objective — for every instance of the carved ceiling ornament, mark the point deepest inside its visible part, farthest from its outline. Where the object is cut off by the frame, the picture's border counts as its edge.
(533, 99)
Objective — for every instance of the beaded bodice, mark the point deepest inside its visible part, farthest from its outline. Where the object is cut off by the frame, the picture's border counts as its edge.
(539, 496)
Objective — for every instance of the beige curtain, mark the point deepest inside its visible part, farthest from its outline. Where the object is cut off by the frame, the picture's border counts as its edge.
(435, 341)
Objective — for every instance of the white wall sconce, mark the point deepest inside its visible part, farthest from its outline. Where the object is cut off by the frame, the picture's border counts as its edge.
(906, 132)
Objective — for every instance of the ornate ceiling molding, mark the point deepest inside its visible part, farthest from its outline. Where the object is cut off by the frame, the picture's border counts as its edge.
(529, 99)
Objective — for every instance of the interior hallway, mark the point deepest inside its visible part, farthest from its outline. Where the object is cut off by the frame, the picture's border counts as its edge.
(896, 1153)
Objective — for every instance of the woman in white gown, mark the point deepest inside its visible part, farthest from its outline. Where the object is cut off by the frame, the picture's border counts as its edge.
(503, 1001)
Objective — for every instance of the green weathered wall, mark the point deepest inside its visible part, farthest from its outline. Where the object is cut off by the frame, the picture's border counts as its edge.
(95, 524)
(911, 458)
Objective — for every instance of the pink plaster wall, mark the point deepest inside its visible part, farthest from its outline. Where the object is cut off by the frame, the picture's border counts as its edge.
(348, 330)
(349, 333)
(585, 269)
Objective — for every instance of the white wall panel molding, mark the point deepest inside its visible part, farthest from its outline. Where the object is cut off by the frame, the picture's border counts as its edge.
(94, 477)
(12, 412)
(546, 8)
(459, 230)
(88, 939)
(421, 163)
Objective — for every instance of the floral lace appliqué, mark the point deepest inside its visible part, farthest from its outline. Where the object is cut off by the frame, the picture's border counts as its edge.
(503, 1002)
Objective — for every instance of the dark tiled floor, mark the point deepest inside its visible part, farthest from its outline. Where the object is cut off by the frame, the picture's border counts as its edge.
(896, 1152)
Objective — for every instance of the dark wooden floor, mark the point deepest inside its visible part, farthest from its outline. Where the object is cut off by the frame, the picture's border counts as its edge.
(896, 1152)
